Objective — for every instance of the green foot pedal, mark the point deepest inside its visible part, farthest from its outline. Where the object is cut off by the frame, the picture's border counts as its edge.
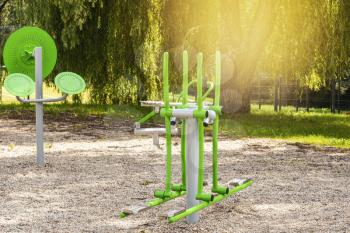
(70, 83)
(19, 85)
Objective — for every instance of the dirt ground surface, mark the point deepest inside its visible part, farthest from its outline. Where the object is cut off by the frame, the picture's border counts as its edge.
(96, 166)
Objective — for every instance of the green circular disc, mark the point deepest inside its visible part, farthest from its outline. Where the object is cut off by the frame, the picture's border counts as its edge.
(19, 84)
(19, 47)
(70, 83)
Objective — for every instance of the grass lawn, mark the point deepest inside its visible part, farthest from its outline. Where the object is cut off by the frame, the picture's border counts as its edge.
(315, 127)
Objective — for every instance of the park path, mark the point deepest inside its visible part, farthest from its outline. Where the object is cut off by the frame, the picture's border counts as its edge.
(95, 167)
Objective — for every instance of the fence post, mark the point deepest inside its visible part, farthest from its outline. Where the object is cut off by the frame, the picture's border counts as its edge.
(259, 89)
(333, 95)
(307, 98)
(339, 93)
(279, 93)
(276, 97)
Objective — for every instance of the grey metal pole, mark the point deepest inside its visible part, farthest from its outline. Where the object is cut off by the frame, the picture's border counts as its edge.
(192, 156)
(39, 113)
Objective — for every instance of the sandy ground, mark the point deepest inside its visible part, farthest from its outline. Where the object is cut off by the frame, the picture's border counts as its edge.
(96, 167)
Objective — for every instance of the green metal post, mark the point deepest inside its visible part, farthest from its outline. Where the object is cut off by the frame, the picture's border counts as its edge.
(216, 188)
(183, 126)
(217, 78)
(167, 122)
(200, 195)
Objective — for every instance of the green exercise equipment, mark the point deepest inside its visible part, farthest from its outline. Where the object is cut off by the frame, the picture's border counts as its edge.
(192, 118)
(30, 54)
(18, 84)
(70, 83)
(19, 48)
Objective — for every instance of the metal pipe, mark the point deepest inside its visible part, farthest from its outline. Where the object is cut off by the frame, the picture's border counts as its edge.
(167, 123)
(211, 87)
(166, 79)
(147, 117)
(158, 201)
(192, 158)
(39, 112)
(216, 121)
(200, 125)
(217, 78)
(184, 122)
(203, 205)
(48, 100)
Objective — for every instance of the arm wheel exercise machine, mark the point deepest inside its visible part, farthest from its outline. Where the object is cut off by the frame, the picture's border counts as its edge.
(194, 117)
(30, 55)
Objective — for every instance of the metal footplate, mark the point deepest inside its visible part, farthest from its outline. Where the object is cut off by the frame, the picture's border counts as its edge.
(154, 132)
(172, 213)
(135, 209)
(237, 182)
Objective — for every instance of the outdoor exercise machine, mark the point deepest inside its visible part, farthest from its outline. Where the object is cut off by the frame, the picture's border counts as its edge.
(30, 55)
(194, 116)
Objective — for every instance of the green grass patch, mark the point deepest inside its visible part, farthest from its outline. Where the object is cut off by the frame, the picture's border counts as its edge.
(315, 127)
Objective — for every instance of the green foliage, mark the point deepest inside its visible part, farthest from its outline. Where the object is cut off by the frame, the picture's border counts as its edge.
(115, 45)
(309, 42)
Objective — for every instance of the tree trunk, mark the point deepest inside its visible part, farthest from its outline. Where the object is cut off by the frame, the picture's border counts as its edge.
(251, 47)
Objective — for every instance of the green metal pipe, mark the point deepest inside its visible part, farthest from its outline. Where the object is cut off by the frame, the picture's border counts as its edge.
(199, 81)
(185, 77)
(183, 126)
(211, 87)
(166, 79)
(217, 78)
(215, 187)
(200, 195)
(215, 152)
(188, 86)
(158, 201)
(167, 122)
(203, 205)
(147, 117)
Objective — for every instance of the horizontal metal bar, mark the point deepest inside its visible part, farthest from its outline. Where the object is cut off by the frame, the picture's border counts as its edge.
(151, 131)
(171, 104)
(183, 113)
(42, 100)
(203, 205)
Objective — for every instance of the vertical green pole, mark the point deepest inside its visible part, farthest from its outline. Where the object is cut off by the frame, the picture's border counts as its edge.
(217, 79)
(183, 126)
(200, 123)
(167, 121)
(166, 79)
(216, 121)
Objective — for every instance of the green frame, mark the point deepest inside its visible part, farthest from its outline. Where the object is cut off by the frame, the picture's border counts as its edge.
(172, 191)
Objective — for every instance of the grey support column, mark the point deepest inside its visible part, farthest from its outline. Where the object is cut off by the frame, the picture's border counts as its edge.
(39, 113)
(192, 156)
